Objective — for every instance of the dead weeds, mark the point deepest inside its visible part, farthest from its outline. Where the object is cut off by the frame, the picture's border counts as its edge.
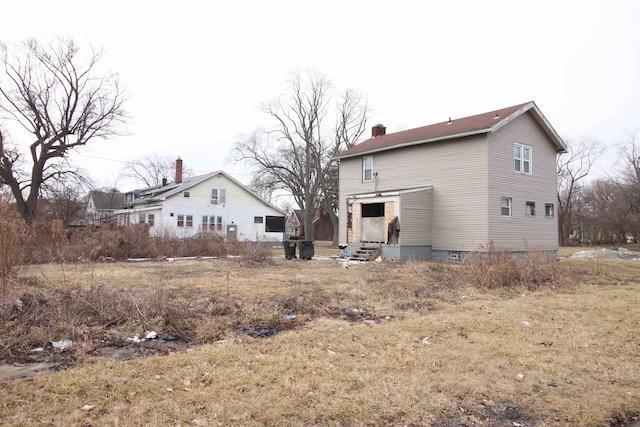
(373, 344)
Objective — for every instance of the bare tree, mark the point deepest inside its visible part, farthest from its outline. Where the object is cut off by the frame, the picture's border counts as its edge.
(66, 202)
(630, 154)
(297, 155)
(573, 167)
(606, 216)
(152, 169)
(57, 96)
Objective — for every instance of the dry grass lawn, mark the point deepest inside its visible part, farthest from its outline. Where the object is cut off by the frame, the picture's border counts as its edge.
(378, 344)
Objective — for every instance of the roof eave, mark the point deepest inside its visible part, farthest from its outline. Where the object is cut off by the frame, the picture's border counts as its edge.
(561, 147)
(419, 142)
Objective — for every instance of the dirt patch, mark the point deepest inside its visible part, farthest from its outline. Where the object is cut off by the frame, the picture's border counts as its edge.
(50, 360)
(25, 370)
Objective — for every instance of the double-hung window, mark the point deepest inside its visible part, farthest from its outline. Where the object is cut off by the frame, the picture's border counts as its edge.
(367, 169)
(218, 196)
(506, 206)
(211, 223)
(522, 159)
(185, 220)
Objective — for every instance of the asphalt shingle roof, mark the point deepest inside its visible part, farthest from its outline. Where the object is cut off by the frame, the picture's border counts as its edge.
(466, 126)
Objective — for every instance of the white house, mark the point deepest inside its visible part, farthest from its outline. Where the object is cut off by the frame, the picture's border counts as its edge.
(211, 203)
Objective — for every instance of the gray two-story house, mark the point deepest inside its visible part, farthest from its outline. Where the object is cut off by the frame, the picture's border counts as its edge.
(447, 189)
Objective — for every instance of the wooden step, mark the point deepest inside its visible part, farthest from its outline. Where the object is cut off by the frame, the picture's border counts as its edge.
(366, 253)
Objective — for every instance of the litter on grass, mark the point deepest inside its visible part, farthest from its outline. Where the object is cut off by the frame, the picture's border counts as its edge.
(61, 345)
(151, 335)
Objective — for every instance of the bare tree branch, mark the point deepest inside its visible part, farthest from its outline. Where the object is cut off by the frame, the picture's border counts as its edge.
(296, 155)
(573, 167)
(152, 169)
(58, 98)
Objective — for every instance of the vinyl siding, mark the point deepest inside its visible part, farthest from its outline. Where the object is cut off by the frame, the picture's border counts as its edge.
(521, 232)
(417, 217)
(457, 170)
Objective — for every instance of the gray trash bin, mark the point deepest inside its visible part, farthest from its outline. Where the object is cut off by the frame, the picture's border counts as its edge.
(305, 249)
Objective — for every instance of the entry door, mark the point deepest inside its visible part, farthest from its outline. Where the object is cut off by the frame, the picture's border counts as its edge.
(232, 231)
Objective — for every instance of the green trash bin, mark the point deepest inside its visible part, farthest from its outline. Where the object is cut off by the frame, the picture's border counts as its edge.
(289, 249)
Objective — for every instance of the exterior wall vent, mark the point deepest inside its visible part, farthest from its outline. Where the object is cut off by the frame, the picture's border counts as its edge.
(454, 256)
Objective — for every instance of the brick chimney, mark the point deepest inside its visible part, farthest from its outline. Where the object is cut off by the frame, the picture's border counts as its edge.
(378, 130)
(164, 181)
(178, 170)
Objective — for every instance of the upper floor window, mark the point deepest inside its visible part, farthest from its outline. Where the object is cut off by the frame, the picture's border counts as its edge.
(522, 159)
(218, 196)
(186, 194)
(367, 169)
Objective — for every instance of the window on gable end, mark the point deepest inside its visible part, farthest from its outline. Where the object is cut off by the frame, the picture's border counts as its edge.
(218, 196)
(367, 169)
(522, 159)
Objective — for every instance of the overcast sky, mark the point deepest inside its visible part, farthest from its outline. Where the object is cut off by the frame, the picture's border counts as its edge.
(197, 71)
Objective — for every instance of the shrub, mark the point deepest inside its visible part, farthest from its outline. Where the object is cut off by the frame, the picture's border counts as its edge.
(11, 230)
(490, 267)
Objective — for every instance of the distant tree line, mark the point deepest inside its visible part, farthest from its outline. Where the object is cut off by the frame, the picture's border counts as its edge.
(604, 210)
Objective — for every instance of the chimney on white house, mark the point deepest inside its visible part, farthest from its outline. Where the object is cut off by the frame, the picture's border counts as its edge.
(178, 170)
(378, 130)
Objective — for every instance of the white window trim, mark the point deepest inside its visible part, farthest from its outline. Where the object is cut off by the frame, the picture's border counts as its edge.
(508, 199)
(220, 197)
(546, 210)
(521, 159)
(185, 221)
(364, 163)
(533, 208)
